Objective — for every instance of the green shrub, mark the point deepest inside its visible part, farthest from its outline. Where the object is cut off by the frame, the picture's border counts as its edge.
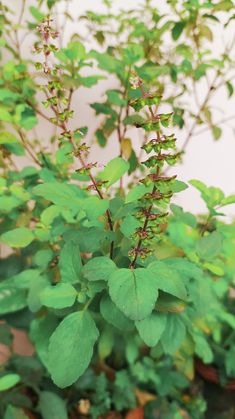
(103, 271)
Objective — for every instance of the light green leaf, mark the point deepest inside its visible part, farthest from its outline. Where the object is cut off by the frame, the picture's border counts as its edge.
(217, 132)
(129, 225)
(62, 194)
(137, 192)
(98, 269)
(52, 406)
(71, 348)
(58, 296)
(114, 170)
(35, 12)
(8, 381)
(151, 328)
(168, 280)
(174, 334)
(211, 195)
(134, 292)
(215, 269)
(210, 246)
(19, 237)
(75, 51)
(228, 200)
(70, 263)
(95, 207)
(8, 203)
(7, 138)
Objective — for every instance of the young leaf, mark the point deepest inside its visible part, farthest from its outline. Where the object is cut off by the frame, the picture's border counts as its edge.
(98, 269)
(134, 292)
(71, 348)
(151, 328)
(8, 381)
(114, 170)
(58, 296)
(228, 200)
(19, 237)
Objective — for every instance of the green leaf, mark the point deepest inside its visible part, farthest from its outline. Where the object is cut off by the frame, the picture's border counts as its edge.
(94, 207)
(129, 225)
(52, 406)
(90, 81)
(228, 200)
(114, 316)
(7, 138)
(202, 348)
(8, 381)
(215, 269)
(66, 195)
(13, 412)
(167, 303)
(177, 30)
(8, 203)
(152, 328)
(36, 287)
(137, 192)
(58, 296)
(103, 108)
(168, 280)
(230, 88)
(114, 97)
(114, 170)
(133, 53)
(98, 269)
(178, 186)
(134, 292)
(40, 331)
(208, 247)
(11, 298)
(212, 196)
(174, 334)
(75, 51)
(71, 348)
(184, 217)
(35, 12)
(70, 263)
(19, 237)
(230, 362)
(217, 132)
(106, 342)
